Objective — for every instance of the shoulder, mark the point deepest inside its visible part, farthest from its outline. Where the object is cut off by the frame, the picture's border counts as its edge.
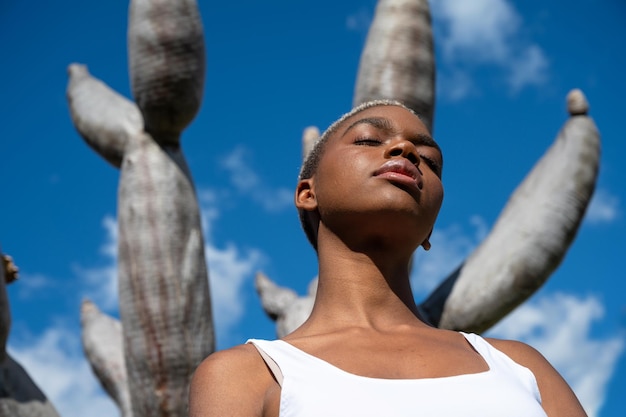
(557, 397)
(520, 352)
(230, 382)
(229, 363)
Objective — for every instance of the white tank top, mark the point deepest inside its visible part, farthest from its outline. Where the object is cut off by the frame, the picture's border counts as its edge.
(311, 387)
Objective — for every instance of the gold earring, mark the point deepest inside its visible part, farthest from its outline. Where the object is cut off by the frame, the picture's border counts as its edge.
(426, 245)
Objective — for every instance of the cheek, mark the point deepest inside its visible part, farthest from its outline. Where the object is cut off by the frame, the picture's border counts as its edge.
(436, 198)
(342, 171)
(339, 180)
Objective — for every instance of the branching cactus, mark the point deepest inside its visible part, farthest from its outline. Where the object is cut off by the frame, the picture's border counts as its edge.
(166, 325)
(19, 395)
(532, 234)
(398, 61)
(539, 222)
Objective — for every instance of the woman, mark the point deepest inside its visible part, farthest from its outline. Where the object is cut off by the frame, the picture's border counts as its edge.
(368, 196)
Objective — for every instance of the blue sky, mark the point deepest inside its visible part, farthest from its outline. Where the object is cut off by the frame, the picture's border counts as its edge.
(274, 68)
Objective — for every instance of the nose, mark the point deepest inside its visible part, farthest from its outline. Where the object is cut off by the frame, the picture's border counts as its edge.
(403, 148)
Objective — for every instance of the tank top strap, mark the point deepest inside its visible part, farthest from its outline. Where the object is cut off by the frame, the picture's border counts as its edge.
(271, 363)
(483, 348)
(282, 358)
(500, 362)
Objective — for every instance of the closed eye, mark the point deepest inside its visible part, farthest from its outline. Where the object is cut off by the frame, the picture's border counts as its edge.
(432, 164)
(368, 142)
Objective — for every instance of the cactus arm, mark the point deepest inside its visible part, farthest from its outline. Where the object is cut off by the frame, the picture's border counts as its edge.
(309, 137)
(283, 305)
(533, 232)
(167, 64)
(398, 59)
(274, 299)
(105, 119)
(102, 343)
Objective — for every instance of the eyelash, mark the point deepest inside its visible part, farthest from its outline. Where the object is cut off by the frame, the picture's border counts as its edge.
(434, 166)
(368, 142)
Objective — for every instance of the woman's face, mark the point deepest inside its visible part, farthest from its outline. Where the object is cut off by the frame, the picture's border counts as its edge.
(380, 173)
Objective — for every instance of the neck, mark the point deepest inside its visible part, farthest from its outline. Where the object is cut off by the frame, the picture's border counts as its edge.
(367, 286)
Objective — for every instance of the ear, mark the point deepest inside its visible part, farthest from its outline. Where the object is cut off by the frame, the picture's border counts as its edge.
(305, 195)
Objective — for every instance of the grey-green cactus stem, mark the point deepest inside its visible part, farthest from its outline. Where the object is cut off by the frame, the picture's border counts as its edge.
(309, 137)
(102, 342)
(164, 300)
(105, 119)
(163, 281)
(534, 230)
(167, 64)
(19, 395)
(398, 60)
(283, 305)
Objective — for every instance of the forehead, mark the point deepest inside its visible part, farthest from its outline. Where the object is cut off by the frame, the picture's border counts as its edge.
(390, 118)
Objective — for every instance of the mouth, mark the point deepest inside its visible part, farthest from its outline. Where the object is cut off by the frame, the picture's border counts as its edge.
(400, 171)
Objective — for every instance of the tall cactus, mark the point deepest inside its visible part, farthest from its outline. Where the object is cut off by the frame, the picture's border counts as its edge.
(398, 60)
(163, 282)
(536, 227)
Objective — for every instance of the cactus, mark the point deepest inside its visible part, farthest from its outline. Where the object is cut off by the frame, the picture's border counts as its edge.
(166, 326)
(532, 234)
(398, 60)
(19, 395)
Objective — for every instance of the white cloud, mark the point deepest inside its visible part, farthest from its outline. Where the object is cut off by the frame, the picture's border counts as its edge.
(449, 247)
(230, 269)
(455, 85)
(559, 326)
(249, 184)
(487, 33)
(479, 30)
(56, 363)
(528, 68)
(32, 283)
(101, 282)
(604, 208)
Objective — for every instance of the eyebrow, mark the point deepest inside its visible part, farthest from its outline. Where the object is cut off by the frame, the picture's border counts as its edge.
(377, 122)
(386, 126)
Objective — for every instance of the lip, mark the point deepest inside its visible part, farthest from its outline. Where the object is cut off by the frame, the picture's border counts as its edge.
(402, 171)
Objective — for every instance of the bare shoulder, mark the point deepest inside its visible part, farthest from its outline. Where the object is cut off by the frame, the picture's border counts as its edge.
(520, 352)
(557, 397)
(232, 382)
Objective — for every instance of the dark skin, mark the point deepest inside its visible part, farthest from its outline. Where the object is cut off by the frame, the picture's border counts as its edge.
(374, 210)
